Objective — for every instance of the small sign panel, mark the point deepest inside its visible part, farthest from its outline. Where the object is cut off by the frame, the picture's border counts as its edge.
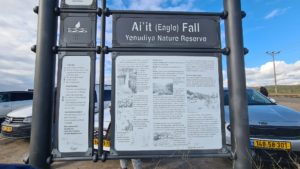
(166, 31)
(167, 103)
(79, 2)
(78, 30)
(73, 127)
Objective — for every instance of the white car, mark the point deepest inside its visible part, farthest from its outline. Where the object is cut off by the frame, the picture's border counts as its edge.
(12, 100)
(17, 123)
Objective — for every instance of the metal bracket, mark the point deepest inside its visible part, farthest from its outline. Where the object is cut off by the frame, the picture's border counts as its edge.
(103, 156)
(57, 49)
(246, 51)
(105, 49)
(33, 48)
(243, 14)
(26, 158)
(49, 160)
(36, 9)
(58, 10)
(55, 153)
(224, 15)
(233, 155)
(95, 157)
(107, 12)
(226, 51)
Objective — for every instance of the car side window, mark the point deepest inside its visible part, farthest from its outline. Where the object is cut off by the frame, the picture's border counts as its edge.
(107, 95)
(21, 96)
(4, 97)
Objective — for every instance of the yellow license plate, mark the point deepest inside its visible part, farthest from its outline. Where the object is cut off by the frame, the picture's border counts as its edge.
(106, 143)
(7, 128)
(278, 145)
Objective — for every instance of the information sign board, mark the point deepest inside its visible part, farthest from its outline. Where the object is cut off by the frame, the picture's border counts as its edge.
(74, 104)
(78, 30)
(166, 31)
(167, 103)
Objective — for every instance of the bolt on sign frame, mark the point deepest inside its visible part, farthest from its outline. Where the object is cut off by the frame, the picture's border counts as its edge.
(79, 46)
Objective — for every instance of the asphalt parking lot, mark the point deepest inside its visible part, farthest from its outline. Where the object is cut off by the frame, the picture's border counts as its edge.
(13, 151)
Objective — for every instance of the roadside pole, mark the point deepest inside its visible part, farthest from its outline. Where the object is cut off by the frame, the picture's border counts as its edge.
(237, 86)
(43, 85)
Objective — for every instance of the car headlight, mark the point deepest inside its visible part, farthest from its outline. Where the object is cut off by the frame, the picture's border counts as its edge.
(27, 120)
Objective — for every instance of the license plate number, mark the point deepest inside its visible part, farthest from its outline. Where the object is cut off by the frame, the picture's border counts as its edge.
(106, 144)
(267, 144)
(7, 128)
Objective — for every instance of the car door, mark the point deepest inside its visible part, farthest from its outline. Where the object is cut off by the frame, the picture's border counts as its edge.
(21, 99)
(5, 104)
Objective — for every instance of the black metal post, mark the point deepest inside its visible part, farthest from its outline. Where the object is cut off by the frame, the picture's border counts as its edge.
(40, 142)
(237, 86)
(101, 79)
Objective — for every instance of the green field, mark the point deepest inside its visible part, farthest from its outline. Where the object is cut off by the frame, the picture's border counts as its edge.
(284, 89)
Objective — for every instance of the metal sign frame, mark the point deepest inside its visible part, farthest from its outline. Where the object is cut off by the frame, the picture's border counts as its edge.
(55, 150)
(45, 74)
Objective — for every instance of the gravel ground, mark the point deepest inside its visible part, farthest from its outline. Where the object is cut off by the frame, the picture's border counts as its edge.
(13, 151)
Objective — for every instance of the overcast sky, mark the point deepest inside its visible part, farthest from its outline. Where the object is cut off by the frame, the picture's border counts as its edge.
(269, 25)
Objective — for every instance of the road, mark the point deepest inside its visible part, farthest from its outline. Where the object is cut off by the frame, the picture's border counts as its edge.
(13, 151)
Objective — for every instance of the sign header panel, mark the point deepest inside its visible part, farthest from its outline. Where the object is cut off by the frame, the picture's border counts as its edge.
(166, 31)
(78, 30)
(167, 103)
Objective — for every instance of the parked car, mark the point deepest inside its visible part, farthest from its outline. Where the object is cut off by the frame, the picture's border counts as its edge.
(274, 129)
(17, 123)
(12, 100)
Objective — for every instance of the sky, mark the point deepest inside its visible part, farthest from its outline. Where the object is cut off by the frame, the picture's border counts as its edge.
(270, 25)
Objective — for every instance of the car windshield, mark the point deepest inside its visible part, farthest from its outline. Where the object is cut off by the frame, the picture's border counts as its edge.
(254, 98)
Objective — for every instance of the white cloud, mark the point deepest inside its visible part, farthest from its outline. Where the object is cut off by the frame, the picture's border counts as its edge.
(276, 12)
(173, 5)
(18, 33)
(287, 74)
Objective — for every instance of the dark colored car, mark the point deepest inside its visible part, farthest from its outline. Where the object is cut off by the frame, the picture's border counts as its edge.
(274, 129)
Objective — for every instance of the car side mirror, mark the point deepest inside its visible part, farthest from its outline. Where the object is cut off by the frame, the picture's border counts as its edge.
(272, 100)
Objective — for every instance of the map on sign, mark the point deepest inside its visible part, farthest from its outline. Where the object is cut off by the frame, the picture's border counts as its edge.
(74, 104)
(79, 2)
(167, 103)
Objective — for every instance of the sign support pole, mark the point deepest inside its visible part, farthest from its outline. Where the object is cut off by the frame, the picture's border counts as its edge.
(237, 86)
(43, 85)
(102, 82)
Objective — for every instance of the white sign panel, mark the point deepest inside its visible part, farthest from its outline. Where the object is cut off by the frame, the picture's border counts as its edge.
(74, 104)
(79, 2)
(167, 103)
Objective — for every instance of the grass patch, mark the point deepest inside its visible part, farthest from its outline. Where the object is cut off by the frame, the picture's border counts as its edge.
(288, 90)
